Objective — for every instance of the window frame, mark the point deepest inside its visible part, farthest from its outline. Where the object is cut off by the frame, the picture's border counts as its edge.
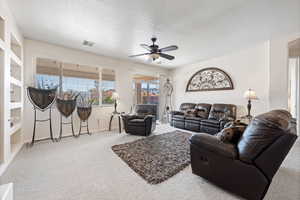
(60, 78)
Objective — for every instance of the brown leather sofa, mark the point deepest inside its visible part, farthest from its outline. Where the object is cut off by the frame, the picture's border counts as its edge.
(247, 167)
(208, 118)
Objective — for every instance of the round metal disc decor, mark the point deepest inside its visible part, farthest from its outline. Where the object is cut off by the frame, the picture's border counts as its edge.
(209, 79)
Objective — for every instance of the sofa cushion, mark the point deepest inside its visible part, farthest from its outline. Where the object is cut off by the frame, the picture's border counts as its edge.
(263, 130)
(136, 122)
(186, 106)
(146, 109)
(212, 144)
(178, 117)
(203, 110)
(190, 113)
(221, 111)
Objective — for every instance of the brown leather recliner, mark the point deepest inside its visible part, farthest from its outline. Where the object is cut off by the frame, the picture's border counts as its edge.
(142, 122)
(245, 168)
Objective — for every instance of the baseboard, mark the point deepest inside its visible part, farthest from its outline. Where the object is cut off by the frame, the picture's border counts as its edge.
(70, 134)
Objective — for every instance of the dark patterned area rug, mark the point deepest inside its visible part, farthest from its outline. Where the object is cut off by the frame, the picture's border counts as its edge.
(158, 157)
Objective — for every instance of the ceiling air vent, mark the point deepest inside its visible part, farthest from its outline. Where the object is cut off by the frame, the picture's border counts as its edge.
(88, 43)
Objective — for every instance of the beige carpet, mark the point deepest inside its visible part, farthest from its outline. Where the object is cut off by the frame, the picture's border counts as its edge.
(87, 169)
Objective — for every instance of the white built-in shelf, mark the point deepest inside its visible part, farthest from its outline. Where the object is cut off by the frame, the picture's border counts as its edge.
(15, 70)
(15, 58)
(15, 128)
(15, 47)
(15, 82)
(15, 105)
(15, 93)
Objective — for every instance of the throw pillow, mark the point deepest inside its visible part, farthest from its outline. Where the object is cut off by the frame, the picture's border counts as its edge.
(231, 134)
(190, 113)
(234, 123)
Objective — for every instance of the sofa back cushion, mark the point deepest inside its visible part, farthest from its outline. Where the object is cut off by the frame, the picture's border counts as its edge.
(146, 109)
(190, 113)
(187, 106)
(262, 132)
(202, 110)
(222, 111)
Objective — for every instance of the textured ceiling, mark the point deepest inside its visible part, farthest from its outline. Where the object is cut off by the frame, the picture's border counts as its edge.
(118, 27)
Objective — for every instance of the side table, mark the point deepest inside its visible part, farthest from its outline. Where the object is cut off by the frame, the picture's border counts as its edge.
(119, 116)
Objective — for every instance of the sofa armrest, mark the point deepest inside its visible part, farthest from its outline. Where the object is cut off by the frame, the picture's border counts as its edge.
(223, 122)
(213, 144)
(130, 117)
(149, 118)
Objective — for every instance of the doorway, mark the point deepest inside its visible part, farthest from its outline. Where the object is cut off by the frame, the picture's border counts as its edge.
(294, 80)
(146, 90)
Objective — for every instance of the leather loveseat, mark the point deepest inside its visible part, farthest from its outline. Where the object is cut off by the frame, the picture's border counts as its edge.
(142, 122)
(246, 167)
(203, 117)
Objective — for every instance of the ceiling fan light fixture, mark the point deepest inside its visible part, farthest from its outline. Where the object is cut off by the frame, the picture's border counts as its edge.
(154, 56)
(154, 52)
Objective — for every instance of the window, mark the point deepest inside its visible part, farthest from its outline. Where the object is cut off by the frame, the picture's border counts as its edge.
(47, 73)
(81, 79)
(107, 86)
(71, 78)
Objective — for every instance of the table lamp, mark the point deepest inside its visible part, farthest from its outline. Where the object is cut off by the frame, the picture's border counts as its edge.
(250, 95)
(115, 97)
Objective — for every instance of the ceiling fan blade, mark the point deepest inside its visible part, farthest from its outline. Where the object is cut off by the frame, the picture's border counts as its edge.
(169, 48)
(166, 56)
(147, 47)
(143, 54)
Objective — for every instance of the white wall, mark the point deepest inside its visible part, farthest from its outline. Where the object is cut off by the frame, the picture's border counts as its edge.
(248, 68)
(279, 70)
(100, 115)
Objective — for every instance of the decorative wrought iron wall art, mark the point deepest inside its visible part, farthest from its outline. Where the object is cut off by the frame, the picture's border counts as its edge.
(209, 79)
(42, 100)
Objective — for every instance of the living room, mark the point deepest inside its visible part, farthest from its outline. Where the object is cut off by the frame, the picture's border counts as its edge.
(139, 100)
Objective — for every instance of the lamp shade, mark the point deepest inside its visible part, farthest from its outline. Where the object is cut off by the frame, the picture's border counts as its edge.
(115, 96)
(250, 95)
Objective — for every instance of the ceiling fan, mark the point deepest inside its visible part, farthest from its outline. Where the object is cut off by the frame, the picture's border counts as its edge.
(155, 52)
